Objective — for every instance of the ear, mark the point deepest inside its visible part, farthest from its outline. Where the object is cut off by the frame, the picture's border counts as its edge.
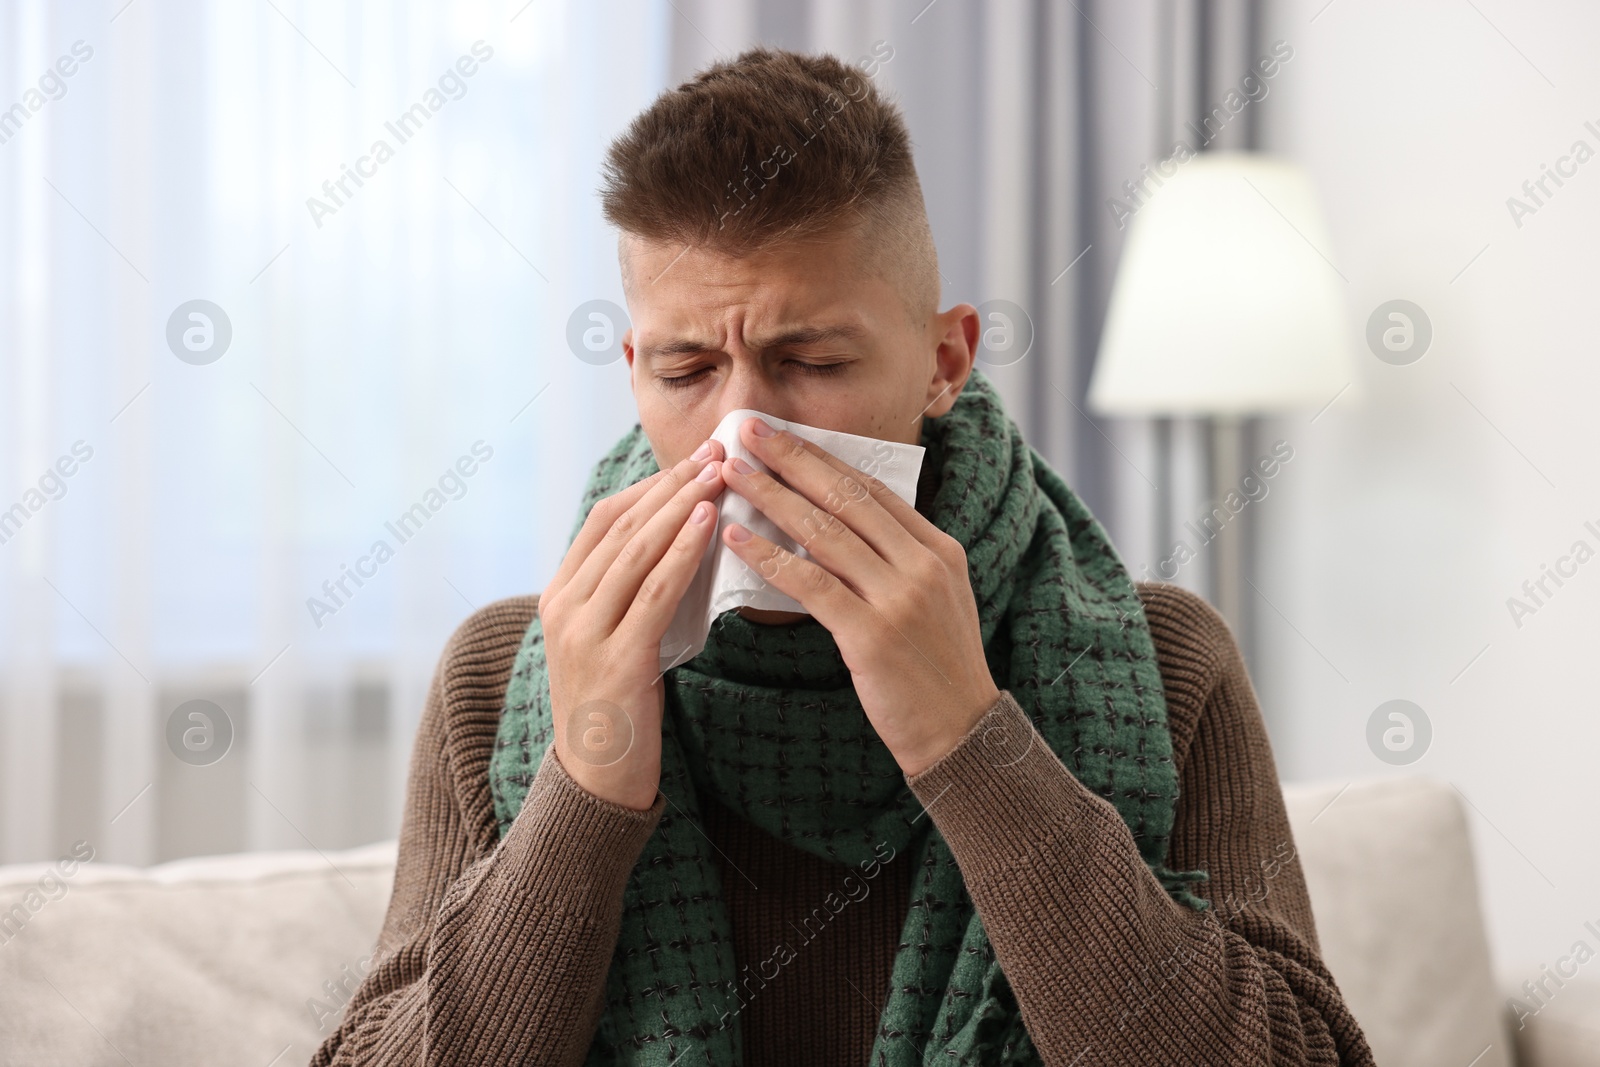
(627, 354)
(956, 348)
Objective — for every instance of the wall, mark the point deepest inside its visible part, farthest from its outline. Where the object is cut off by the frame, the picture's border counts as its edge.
(1410, 515)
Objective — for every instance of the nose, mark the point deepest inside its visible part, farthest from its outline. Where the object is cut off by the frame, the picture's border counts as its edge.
(748, 387)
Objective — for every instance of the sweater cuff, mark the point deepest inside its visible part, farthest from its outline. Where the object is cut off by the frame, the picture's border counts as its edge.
(1001, 797)
(577, 849)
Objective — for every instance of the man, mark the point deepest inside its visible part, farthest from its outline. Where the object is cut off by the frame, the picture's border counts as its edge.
(984, 803)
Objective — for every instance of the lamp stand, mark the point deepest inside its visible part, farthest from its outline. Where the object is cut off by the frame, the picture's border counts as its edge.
(1227, 559)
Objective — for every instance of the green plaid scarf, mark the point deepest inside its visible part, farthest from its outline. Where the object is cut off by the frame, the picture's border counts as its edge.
(766, 721)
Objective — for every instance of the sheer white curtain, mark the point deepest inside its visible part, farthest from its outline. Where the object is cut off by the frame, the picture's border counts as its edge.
(181, 521)
(391, 308)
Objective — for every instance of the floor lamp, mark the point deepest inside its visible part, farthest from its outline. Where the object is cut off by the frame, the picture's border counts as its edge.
(1227, 305)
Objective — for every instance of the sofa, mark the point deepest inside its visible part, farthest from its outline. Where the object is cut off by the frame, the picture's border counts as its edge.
(248, 959)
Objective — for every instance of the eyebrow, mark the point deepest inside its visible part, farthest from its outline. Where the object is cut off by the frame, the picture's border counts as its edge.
(798, 337)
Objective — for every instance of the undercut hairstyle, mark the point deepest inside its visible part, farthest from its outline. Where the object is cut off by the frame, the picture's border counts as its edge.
(770, 148)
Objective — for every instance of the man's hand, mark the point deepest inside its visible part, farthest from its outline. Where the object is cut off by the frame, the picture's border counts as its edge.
(891, 587)
(604, 614)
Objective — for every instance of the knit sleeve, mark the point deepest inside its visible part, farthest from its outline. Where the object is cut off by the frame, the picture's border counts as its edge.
(491, 951)
(1106, 967)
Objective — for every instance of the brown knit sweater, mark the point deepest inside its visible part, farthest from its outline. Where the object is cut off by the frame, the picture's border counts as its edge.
(495, 952)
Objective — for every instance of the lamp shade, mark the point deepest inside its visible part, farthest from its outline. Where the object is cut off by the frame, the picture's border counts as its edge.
(1224, 303)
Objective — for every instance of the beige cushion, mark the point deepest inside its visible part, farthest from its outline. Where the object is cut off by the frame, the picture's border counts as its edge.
(231, 959)
(1389, 867)
(204, 961)
(1566, 1030)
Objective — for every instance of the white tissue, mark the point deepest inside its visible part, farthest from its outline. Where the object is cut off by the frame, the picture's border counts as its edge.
(723, 581)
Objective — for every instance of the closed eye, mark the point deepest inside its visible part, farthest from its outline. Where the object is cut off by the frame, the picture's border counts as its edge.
(684, 379)
(818, 368)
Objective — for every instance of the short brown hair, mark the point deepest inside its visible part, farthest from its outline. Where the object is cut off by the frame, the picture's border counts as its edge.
(770, 147)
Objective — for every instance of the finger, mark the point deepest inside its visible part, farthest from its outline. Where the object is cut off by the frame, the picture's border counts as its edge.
(651, 608)
(600, 518)
(823, 534)
(833, 603)
(611, 598)
(627, 522)
(840, 610)
(870, 508)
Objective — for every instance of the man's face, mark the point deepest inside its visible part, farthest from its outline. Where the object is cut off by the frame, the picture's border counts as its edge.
(803, 334)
